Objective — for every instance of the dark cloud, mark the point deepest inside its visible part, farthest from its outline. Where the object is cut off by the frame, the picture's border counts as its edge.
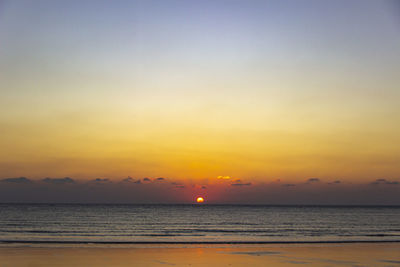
(101, 180)
(313, 180)
(131, 180)
(384, 181)
(146, 179)
(103, 190)
(160, 179)
(18, 180)
(241, 184)
(178, 185)
(65, 180)
(288, 185)
(128, 179)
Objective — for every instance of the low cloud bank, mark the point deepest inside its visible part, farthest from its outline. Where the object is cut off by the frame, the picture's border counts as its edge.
(65, 180)
(18, 180)
(312, 191)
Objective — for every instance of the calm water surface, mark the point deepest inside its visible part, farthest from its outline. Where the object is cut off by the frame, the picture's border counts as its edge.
(196, 223)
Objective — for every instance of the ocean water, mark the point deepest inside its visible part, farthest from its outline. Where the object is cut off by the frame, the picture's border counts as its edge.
(60, 223)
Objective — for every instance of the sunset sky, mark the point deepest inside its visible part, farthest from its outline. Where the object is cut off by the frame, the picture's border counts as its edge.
(260, 91)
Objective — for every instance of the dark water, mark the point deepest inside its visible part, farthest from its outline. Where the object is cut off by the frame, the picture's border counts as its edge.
(196, 223)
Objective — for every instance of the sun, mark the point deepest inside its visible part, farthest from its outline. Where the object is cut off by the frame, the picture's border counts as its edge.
(200, 200)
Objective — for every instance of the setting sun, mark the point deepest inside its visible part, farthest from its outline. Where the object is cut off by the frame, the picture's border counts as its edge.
(200, 200)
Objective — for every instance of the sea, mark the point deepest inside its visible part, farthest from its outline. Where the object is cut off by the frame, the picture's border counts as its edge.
(196, 224)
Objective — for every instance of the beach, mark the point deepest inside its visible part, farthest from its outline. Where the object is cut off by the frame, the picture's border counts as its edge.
(354, 254)
(189, 235)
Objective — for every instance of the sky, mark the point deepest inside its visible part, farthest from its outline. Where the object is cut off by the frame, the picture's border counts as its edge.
(189, 91)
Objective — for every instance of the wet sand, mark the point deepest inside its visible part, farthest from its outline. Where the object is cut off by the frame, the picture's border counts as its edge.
(357, 254)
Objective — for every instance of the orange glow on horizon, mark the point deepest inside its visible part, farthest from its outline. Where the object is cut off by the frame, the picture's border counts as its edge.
(200, 200)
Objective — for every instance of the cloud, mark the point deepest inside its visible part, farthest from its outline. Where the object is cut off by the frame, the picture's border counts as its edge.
(178, 185)
(18, 180)
(288, 185)
(313, 180)
(241, 184)
(146, 179)
(224, 177)
(65, 180)
(101, 180)
(131, 180)
(160, 179)
(384, 181)
(103, 190)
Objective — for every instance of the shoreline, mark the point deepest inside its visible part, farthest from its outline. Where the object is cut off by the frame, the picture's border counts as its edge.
(316, 254)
